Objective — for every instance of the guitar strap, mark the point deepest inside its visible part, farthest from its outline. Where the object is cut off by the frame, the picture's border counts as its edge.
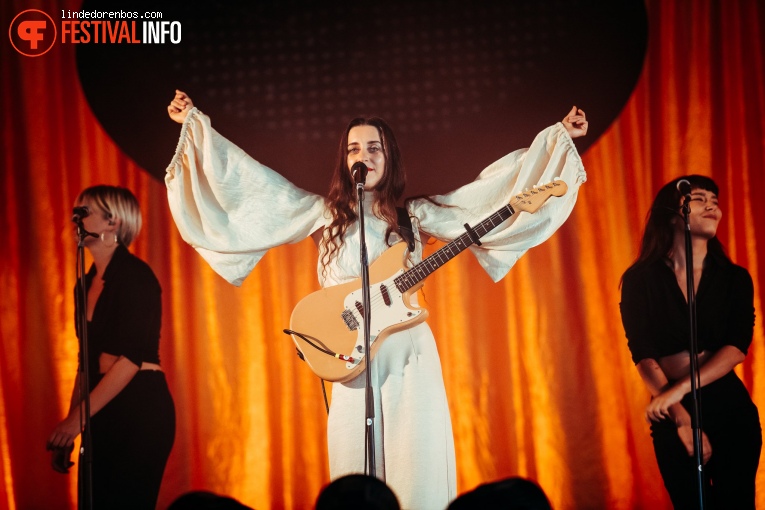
(405, 229)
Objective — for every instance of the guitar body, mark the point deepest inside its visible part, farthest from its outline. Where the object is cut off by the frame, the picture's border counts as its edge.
(333, 318)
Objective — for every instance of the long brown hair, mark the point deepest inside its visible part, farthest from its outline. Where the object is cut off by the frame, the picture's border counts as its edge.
(341, 197)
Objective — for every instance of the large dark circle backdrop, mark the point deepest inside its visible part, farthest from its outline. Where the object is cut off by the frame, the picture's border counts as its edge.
(461, 83)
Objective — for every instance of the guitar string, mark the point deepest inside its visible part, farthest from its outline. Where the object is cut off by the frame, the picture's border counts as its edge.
(427, 266)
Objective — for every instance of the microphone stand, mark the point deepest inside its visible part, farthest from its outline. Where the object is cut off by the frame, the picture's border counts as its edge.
(85, 483)
(369, 457)
(694, 354)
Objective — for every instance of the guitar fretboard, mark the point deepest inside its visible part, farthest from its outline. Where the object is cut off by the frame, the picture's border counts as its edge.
(422, 270)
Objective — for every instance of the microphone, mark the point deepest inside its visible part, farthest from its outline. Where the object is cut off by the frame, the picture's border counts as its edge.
(359, 172)
(79, 213)
(684, 187)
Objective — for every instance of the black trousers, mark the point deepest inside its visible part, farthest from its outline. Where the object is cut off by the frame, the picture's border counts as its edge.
(736, 440)
(132, 438)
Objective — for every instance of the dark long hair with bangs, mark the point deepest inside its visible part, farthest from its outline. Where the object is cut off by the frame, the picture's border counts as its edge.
(659, 231)
(342, 190)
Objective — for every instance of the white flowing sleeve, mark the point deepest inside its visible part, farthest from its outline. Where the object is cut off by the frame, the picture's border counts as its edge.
(552, 155)
(228, 206)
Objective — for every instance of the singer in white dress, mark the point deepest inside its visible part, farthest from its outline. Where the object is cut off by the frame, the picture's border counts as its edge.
(232, 209)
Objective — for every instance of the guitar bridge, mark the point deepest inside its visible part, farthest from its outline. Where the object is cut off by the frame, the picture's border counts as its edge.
(350, 320)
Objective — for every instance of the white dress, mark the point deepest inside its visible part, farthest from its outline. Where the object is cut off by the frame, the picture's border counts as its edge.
(232, 209)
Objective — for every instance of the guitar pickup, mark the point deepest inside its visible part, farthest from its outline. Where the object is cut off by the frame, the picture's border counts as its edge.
(350, 320)
(385, 295)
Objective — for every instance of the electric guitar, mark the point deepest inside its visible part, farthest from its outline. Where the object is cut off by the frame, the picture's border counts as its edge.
(327, 326)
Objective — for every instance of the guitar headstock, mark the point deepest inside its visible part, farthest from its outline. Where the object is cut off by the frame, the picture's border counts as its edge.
(532, 199)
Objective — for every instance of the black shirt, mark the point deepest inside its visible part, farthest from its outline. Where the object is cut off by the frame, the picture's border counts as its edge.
(127, 317)
(655, 312)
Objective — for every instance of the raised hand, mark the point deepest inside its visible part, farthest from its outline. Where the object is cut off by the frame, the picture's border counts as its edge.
(575, 122)
(179, 107)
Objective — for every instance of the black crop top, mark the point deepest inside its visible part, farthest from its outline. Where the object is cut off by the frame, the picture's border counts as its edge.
(655, 312)
(128, 315)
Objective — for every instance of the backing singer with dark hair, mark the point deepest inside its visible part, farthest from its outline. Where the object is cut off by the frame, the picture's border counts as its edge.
(655, 316)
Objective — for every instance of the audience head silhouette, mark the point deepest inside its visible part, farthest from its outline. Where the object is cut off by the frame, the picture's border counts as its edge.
(352, 492)
(509, 494)
(204, 500)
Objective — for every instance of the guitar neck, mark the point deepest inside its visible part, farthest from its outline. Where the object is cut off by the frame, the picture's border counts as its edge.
(422, 270)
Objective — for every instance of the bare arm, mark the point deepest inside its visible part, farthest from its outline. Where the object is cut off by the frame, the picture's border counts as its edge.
(656, 381)
(114, 381)
(61, 457)
(719, 364)
(75, 393)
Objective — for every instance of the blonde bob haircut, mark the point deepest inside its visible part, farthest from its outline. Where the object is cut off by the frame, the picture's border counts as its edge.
(116, 203)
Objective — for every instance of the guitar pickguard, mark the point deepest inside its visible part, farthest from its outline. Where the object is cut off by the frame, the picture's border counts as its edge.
(389, 309)
(332, 318)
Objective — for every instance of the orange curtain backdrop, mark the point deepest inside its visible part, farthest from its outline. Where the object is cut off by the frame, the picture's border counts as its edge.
(539, 379)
